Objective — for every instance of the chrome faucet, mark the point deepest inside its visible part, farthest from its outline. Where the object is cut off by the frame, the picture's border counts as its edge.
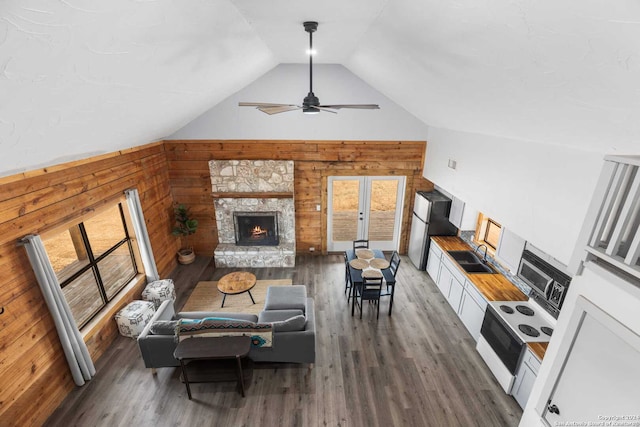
(484, 258)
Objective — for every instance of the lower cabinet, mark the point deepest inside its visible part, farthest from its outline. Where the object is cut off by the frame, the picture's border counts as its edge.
(444, 280)
(433, 264)
(455, 294)
(449, 285)
(460, 293)
(472, 313)
(525, 378)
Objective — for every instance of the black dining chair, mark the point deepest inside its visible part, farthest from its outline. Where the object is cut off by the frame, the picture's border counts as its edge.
(394, 264)
(360, 244)
(369, 290)
(347, 277)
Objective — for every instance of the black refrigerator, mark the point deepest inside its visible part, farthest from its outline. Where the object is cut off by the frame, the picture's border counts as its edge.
(430, 218)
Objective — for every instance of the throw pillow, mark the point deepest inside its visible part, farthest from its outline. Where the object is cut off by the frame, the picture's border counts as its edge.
(296, 323)
(260, 333)
(163, 327)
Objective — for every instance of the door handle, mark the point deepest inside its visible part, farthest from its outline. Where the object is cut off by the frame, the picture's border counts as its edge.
(553, 409)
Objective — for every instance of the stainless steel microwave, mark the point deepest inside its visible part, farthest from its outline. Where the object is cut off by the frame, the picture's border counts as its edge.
(548, 284)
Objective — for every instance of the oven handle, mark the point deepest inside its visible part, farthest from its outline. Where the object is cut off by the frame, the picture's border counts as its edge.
(546, 288)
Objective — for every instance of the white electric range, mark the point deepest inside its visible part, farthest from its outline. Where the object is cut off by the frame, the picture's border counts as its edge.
(529, 321)
(507, 327)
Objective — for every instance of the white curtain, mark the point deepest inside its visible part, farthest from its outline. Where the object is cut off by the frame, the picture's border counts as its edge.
(73, 345)
(140, 228)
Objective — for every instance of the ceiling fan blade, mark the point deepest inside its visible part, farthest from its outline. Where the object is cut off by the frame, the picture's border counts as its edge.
(324, 108)
(261, 104)
(360, 106)
(275, 109)
(270, 108)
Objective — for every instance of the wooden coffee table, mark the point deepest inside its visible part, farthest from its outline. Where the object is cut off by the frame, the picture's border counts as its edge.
(236, 283)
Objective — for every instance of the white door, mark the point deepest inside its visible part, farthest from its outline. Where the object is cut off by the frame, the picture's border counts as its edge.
(599, 378)
(365, 207)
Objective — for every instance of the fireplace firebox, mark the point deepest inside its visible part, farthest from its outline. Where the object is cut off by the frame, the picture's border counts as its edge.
(256, 228)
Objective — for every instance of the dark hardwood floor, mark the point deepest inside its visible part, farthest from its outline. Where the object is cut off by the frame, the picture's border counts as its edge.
(418, 367)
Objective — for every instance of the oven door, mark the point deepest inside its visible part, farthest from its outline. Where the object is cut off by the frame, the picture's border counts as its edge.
(535, 277)
(500, 348)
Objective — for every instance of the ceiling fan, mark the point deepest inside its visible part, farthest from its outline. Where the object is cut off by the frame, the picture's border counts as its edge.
(311, 103)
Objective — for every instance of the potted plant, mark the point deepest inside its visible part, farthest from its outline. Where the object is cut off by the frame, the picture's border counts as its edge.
(185, 227)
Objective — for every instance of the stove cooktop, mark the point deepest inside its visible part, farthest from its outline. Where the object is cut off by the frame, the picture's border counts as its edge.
(528, 321)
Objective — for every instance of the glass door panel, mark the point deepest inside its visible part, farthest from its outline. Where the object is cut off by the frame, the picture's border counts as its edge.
(383, 211)
(345, 224)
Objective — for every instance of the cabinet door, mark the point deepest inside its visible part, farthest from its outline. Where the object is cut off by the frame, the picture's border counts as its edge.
(525, 378)
(433, 264)
(455, 214)
(444, 280)
(455, 293)
(472, 314)
(510, 249)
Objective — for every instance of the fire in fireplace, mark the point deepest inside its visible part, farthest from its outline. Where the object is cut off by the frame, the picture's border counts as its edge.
(256, 228)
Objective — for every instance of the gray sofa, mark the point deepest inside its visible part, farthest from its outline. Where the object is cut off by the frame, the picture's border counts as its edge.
(282, 303)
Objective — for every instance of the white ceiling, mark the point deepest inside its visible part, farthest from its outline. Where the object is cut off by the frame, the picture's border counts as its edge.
(80, 77)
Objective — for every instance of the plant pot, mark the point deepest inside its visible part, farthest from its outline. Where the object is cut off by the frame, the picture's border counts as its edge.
(186, 256)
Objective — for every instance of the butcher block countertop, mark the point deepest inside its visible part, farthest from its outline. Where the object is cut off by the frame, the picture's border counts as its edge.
(494, 287)
(538, 348)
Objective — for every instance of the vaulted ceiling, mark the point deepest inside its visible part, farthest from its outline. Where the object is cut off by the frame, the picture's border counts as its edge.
(81, 77)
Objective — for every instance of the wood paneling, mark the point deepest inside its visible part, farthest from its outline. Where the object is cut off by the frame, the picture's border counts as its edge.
(34, 376)
(314, 161)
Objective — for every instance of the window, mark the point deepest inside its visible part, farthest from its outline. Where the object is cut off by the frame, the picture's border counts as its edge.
(93, 261)
(488, 231)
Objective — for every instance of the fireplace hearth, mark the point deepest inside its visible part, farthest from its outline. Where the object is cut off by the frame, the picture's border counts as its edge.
(256, 228)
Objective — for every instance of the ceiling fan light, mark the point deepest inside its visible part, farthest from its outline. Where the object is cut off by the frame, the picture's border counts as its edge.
(310, 110)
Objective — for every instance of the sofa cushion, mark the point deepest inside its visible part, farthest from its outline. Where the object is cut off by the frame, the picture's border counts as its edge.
(261, 333)
(277, 315)
(205, 314)
(163, 327)
(286, 297)
(292, 324)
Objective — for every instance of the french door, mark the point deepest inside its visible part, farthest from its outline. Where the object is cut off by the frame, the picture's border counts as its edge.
(364, 207)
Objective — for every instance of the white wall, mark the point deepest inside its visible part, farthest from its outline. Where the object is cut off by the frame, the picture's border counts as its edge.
(539, 191)
(289, 84)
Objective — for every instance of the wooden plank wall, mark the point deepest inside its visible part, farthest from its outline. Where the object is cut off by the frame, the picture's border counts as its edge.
(314, 161)
(34, 376)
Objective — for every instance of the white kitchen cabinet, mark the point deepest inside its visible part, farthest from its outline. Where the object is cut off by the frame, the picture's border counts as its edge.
(468, 303)
(462, 215)
(444, 280)
(472, 308)
(525, 378)
(455, 293)
(451, 283)
(457, 209)
(433, 263)
(510, 247)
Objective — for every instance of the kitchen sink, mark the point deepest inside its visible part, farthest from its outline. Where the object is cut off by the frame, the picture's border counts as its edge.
(465, 257)
(469, 262)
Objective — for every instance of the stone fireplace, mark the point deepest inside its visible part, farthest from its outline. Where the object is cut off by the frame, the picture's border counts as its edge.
(259, 191)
